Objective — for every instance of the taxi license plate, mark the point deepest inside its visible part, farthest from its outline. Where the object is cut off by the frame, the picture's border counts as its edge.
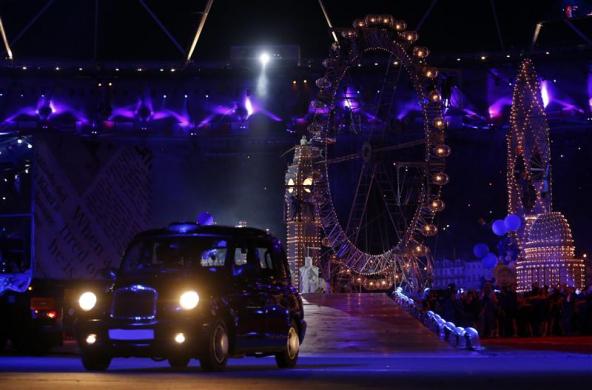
(131, 334)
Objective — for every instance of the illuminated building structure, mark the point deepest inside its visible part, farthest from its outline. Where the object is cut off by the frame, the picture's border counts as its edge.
(462, 273)
(550, 255)
(302, 220)
(547, 252)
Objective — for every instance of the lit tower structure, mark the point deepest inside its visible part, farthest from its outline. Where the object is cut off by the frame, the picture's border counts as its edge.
(547, 252)
(302, 220)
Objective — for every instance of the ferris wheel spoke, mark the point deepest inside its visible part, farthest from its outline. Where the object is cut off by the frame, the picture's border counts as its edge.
(360, 201)
(340, 159)
(389, 199)
(386, 95)
(405, 145)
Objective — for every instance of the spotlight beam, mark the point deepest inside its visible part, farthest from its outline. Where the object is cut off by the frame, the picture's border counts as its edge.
(162, 27)
(331, 29)
(425, 15)
(497, 25)
(202, 22)
(32, 21)
(578, 32)
(536, 34)
(5, 40)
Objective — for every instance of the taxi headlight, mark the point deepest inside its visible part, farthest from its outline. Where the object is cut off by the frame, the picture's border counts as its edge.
(87, 300)
(189, 300)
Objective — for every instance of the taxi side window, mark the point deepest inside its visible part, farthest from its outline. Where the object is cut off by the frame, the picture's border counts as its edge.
(264, 257)
(240, 256)
(279, 258)
(214, 256)
(244, 261)
(269, 265)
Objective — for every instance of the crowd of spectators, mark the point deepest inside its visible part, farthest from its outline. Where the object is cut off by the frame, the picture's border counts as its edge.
(543, 311)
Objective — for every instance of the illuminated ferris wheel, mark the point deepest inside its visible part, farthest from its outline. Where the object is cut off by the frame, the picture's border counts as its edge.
(393, 172)
(529, 152)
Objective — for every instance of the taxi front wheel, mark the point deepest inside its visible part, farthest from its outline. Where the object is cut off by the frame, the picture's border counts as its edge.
(289, 356)
(95, 360)
(215, 355)
(178, 362)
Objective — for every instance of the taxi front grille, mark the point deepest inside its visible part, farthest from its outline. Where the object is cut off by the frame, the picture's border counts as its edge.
(134, 303)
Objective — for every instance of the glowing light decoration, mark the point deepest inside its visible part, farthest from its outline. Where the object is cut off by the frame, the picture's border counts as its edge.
(249, 106)
(545, 95)
(264, 58)
(546, 248)
(480, 250)
(499, 228)
(549, 255)
(404, 260)
(302, 219)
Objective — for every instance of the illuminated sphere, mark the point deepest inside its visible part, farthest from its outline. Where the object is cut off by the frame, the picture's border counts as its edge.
(359, 23)
(399, 25)
(410, 36)
(430, 72)
(439, 123)
(435, 96)
(442, 150)
(205, 219)
(421, 52)
(498, 227)
(480, 250)
(512, 222)
(419, 250)
(436, 205)
(387, 20)
(429, 230)
(489, 260)
(372, 20)
(440, 178)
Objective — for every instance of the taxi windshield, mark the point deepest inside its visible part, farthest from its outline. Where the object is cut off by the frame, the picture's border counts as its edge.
(176, 252)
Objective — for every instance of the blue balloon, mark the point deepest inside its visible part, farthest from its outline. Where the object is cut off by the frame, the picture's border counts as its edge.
(499, 228)
(489, 261)
(512, 222)
(205, 218)
(480, 250)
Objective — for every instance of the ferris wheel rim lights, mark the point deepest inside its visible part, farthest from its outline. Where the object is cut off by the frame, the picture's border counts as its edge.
(394, 40)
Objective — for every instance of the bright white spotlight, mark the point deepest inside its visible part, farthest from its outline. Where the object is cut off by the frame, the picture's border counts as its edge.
(264, 58)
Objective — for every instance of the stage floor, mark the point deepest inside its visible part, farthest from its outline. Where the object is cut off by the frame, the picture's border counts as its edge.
(363, 323)
(353, 341)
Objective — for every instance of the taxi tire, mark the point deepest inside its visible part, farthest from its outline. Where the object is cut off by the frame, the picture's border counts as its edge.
(95, 360)
(215, 354)
(289, 356)
(178, 362)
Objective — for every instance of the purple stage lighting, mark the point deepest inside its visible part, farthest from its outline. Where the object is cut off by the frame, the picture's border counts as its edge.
(545, 93)
(496, 109)
(249, 106)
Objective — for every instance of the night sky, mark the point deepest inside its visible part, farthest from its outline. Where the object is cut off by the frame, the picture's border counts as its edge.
(127, 32)
(250, 185)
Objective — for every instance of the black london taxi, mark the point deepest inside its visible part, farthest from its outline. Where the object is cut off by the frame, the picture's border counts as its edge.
(193, 291)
